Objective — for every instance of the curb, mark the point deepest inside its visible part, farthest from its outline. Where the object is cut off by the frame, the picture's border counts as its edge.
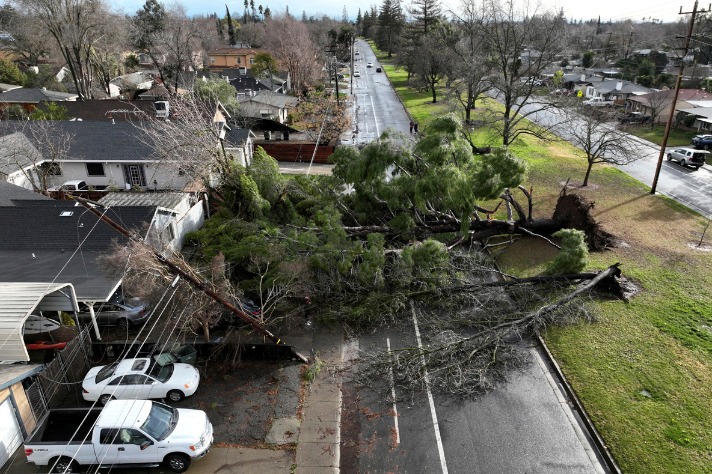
(601, 445)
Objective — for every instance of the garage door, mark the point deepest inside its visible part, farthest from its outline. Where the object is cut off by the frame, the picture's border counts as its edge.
(10, 434)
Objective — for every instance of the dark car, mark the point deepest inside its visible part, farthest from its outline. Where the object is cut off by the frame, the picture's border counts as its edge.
(702, 141)
(247, 306)
(378, 69)
(634, 117)
(115, 314)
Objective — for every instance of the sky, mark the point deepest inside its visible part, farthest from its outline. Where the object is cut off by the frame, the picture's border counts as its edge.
(615, 10)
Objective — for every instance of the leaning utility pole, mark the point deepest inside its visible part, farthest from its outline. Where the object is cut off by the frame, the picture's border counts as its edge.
(176, 268)
(668, 125)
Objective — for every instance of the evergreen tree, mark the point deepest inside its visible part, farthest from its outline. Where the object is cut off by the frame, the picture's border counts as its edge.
(425, 13)
(390, 25)
(230, 28)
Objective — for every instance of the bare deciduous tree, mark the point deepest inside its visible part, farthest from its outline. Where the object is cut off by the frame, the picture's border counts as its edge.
(76, 26)
(292, 47)
(36, 148)
(28, 42)
(600, 141)
(321, 118)
(522, 44)
(190, 143)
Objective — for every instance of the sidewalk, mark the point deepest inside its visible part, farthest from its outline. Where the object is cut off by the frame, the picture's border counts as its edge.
(318, 448)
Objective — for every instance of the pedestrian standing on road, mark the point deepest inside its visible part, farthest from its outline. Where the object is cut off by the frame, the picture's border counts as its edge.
(415, 127)
(411, 127)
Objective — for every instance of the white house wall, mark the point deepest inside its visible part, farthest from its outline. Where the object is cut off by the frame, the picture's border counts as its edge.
(193, 220)
(157, 176)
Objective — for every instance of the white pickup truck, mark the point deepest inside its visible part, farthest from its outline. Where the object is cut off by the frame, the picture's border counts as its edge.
(598, 102)
(126, 433)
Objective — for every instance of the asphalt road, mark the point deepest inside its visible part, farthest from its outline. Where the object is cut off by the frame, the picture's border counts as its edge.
(525, 426)
(376, 106)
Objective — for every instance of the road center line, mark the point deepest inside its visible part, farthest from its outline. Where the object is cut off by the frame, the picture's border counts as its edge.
(375, 119)
(393, 393)
(438, 439)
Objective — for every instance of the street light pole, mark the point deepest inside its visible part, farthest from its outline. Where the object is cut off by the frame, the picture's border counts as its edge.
(668, 124)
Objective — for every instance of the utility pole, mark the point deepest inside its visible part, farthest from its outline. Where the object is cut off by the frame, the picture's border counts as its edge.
(668, 125)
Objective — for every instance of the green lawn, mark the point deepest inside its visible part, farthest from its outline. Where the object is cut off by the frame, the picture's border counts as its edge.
(655, 135)
(644, 369)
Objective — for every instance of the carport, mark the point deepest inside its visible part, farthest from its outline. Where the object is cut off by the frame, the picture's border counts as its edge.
(20, 299)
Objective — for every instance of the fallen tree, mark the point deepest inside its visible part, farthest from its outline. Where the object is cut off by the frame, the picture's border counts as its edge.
(464, 364)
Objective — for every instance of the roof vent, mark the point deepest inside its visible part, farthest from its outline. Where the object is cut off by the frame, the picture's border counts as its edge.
(66, 213)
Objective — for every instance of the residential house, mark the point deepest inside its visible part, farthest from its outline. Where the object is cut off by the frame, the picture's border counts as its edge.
(246, 84)
(268, 105)
(239, 143)
(225, 58)
(29, 99)
(105, 154)
(690, 101)
(616, 90)
(46, 241)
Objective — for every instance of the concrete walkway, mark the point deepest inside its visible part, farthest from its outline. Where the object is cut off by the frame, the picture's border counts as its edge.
(318, 448)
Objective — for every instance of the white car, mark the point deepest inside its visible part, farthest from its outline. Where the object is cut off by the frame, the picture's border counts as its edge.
(141, 378)
(357, 74)
(369, 64)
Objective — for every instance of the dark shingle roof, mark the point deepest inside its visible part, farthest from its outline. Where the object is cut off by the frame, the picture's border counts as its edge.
(38, 244)
(12, 195)
(33, 96)
(97, 140)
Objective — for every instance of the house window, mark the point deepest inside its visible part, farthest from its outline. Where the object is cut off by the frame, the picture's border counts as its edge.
(239, 60)
(50, 169)
(95, 169)
(252, 60)
(212, 60)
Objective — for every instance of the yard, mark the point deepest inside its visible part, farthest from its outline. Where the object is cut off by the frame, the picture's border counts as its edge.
(643, 369)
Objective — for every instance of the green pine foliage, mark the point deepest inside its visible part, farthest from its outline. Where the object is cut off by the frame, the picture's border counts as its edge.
(10, 73)
(573, 256)
(269, 225)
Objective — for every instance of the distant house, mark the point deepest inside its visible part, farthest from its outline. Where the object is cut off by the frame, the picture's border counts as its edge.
(691, 101)
(239, 143)
(29, 99)
(246, 84)
(268, 105)
(616, 90)
(225, 58)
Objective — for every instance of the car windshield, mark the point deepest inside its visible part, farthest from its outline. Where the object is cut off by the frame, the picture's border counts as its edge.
(106, 372)
(160, 373)
(161, 421)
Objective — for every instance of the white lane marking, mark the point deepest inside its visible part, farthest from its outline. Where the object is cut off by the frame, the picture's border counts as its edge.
(393, 393)
(438, 439)
(375, 120)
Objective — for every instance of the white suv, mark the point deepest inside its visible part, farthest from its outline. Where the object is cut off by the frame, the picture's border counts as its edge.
(688, 157)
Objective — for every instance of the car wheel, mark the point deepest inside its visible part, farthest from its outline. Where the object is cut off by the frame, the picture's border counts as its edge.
(64, 464)
(669, 157)
(106, 398)
(123, 324)
(177, 462)
(175, 395)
